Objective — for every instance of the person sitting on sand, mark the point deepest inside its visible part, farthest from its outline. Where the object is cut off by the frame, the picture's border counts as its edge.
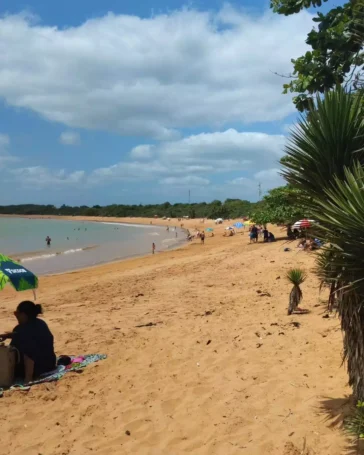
(271, 237)
(34, 342)
(290, 234)
(311, 245)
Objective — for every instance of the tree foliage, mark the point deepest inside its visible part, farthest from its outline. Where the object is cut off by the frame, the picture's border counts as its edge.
(288, 7)
(281, 205)
(337, 55)
(231, 208)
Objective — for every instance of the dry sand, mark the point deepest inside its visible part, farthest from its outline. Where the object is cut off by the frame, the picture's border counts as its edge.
(225, 371)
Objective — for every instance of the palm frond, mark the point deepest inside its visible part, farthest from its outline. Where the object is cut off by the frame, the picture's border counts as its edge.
(341, 217)
(324, 142)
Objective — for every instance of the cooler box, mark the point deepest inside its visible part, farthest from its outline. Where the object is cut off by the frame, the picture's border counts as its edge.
(8, 358)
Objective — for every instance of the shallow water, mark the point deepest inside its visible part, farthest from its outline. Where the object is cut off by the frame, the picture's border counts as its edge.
(78, 244)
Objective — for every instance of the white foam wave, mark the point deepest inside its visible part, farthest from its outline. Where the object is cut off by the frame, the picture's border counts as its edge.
(42, 256)
(154, 233)
(76, 250)
(144, 226)
(51, 255)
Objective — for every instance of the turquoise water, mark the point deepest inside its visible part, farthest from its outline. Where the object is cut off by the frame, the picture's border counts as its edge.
(78, 244)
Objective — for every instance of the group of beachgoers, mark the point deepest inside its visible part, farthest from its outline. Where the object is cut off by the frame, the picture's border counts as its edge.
(306, 241)
(260, 231)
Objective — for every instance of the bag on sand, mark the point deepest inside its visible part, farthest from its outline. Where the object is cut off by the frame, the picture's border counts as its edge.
(8, 359)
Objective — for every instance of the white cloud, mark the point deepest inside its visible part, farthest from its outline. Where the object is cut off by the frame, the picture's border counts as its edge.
(188, 180)
(4, 141)
(5, 156)
(141, 152)
(200, 155)
(152, 76)
(191, 161)
(240, 181)
(69, 138)
(39, 177)
(268, 179)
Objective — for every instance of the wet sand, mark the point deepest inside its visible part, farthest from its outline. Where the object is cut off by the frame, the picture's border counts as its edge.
(224, 371)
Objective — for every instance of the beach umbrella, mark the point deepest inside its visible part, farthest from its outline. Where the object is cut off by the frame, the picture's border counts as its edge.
(239, 225)
(209, 230)
(12, 272)
(303, 224)
(248, 222)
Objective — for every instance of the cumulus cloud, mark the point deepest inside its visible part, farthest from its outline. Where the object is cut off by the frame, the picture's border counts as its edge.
(4, 141)
(199, 155)
(191, 161)
(267, 178)
(141, 152)
(5, 157)
(39, 177)
(188, 180)
(152, 76)
(69, 138)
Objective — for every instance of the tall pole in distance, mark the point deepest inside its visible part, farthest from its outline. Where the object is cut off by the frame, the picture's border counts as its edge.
(189, 196)
(260, 190)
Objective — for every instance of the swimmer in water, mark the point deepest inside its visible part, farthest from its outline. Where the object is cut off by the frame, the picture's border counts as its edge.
(48, 240)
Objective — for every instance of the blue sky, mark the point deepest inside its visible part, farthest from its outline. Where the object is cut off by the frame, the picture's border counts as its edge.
(138, 102)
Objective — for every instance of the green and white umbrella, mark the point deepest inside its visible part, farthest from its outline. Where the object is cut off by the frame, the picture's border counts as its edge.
(18, 276)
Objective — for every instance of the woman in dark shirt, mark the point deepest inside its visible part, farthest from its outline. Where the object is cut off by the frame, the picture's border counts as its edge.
(34, 341)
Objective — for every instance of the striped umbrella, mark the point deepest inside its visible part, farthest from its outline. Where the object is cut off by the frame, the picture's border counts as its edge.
(303, 224)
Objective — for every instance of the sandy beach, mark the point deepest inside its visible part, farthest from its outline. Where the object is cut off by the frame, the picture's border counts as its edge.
(224, 370)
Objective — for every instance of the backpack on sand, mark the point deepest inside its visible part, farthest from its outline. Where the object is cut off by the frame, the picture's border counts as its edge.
(8, 360)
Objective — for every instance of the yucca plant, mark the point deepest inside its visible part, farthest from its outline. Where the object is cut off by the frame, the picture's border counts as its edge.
(295, 277)
(355, 423)
(326, 158)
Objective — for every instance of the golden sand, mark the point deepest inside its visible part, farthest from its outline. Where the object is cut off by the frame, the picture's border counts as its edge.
(224, 371)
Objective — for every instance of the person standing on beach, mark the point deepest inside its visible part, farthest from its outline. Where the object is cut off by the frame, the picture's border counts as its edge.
(202, 237)
(153, 247)
(48, 240)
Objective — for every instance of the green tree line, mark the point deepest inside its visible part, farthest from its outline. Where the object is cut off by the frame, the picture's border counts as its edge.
(231, 208)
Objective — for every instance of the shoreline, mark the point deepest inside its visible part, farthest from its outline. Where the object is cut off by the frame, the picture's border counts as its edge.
(23, 257)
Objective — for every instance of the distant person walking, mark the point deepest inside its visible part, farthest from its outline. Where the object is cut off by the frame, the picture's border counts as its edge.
(153, 248)
(48, 240)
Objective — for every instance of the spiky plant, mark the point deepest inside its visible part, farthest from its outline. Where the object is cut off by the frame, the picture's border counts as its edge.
(326, 158)
(295, 277)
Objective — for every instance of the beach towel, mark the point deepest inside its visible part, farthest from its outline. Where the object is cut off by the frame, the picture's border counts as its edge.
(77, 363)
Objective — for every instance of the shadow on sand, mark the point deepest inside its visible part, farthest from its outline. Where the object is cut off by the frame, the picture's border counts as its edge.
(336, 411)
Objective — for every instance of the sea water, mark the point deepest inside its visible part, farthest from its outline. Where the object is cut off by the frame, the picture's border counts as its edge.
(77, 244)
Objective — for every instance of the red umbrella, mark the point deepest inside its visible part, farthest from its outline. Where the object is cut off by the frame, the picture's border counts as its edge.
(305, 224)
